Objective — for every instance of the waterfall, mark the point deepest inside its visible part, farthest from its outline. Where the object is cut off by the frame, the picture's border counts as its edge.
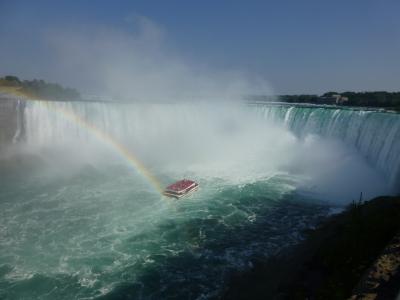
(375, 134)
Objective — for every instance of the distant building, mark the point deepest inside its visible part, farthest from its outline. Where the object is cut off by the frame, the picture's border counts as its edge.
(334, 99)
(342, 100)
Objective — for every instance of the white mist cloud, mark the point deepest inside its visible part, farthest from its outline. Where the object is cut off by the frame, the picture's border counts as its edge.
(331, 170)
(215, 140)
(140, 65)
(205, 141)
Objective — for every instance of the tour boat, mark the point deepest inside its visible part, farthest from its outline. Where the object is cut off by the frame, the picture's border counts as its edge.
(180, 188)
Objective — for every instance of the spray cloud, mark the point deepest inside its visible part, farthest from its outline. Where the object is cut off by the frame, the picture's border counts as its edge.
(140, 65)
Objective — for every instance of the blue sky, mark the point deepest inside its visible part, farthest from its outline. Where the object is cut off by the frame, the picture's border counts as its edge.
(297, 46)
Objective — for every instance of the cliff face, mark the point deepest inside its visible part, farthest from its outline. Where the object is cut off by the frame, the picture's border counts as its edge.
(382, 280)
(353, 255)
(12, 127)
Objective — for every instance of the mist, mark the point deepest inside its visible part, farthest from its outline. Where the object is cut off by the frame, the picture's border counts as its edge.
(208, 134)
(204, 141)
(136, 64)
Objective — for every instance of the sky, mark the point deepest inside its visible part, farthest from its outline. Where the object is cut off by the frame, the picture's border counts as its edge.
(292, 47)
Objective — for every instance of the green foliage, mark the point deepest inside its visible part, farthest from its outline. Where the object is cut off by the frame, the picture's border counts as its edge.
(12, 78)
(10, 81)
(299, 98)
(374, 99)
(41, 89)
(49, 90)
(330, 94)
(368, 99)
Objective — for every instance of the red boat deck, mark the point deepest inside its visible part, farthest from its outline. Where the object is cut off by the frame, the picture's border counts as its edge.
(180, 185)
(180, 188)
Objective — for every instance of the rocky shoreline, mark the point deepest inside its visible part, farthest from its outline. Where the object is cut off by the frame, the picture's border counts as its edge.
(382, 280)
(355, 254)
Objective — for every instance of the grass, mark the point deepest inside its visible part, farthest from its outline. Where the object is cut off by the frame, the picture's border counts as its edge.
(12, 90)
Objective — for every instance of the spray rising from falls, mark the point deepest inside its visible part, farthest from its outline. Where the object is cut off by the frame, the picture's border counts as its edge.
(181, 135)
(69, 115)
(228, 141)
(375, 134)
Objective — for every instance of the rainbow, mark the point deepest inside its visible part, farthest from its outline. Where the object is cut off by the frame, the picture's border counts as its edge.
(102, 136)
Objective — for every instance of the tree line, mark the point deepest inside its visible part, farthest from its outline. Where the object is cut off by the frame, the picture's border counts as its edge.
(373, 99)
(370, 99)
(40, 89)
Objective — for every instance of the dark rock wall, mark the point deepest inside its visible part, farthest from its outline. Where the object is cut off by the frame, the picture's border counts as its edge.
(12, 129)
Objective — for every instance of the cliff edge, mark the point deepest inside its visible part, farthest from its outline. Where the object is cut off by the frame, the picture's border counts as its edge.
(352, 255)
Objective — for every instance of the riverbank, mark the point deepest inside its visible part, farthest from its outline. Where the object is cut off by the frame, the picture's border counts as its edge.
(336, 261)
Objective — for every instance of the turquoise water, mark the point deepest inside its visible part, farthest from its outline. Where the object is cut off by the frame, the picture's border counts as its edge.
(110, 234)
(78, 221)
